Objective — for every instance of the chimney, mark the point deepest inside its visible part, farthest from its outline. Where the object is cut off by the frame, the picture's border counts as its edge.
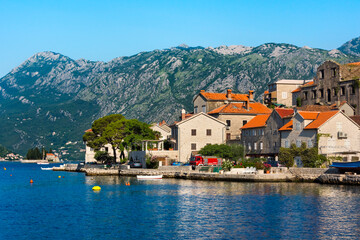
(251, 95)
(247, 105)
(228, 94)
(183, 114)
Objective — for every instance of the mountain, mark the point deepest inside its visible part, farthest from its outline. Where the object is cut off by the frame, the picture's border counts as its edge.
(351, 47)
(50, 99)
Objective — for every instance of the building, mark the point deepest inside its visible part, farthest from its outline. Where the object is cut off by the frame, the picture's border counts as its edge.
(334, 83)
(193, 133)
(236, 115)
(343, 106)
(163, 129)
(50, 157)
(280, 92)
(260, 135)
(333, 133)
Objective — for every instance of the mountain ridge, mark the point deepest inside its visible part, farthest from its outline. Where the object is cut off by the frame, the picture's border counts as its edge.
(64, 95)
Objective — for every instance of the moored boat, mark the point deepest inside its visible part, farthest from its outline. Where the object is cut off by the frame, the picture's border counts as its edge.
(43, 168)
(347, 166)
(43, 163)
(149, 176)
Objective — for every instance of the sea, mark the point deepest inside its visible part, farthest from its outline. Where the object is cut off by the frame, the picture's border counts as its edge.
(62, 205)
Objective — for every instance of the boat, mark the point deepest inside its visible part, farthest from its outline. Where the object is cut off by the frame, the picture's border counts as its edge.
(149, 176)
(43, 163)
(347, 166)
(43, 168)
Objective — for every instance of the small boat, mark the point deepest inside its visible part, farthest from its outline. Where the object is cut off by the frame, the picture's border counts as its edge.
(43, 168)
(347, 166)
(43, 163)
(149, 176)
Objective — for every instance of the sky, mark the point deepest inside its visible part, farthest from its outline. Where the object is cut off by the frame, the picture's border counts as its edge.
(105, 29)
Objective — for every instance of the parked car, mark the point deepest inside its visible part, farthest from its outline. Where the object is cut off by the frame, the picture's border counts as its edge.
(176, 164)
(135, 164)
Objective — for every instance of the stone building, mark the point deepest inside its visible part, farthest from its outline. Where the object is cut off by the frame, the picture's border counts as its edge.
(333, 133)
(280, 92)
(193, 133)
(334, 83)
(163, 129)
(260, 135)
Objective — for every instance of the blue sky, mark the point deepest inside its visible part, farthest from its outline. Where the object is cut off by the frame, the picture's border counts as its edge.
(103, 30)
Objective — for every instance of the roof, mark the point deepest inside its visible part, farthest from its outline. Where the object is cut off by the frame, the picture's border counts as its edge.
(350, 71)
(284, 112)
(89, 130)
(162, 123)
(292, 81)
(50, 154)
(356, 118)
(196, 115)
(321, 119)
(308, 84)
(266, 92)
(287, 127)
(222, 96)
(296, 90)
(240, 108)
(257, 121)
(307, 115)
(354, 64)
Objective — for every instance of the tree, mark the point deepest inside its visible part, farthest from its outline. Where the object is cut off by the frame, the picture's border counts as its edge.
(102, 156)
(218, 150)
(286, 157)
(237, 151)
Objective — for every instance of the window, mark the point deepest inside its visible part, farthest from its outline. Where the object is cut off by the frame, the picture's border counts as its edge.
(313, 94)
(228, 136)
(249, 146)
(284, 95)
(310, 143)
(193, 146)
(255, 145)
(287, 145)
(297, 126)
(254, 132)
(321, 91)
(298, 143)
(342, 91)
(193, 132)
(204, 108)
(334, 92)
(333, 72)
(244, 122)
(321, 74)
(261, 146)
(196, 109)
(261, 132)
(328, 95)
(228, 123)
(208, 132)
(305, 95)
(106, 149)
(352, 90)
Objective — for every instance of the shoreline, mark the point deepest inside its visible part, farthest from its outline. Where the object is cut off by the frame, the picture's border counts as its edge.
(317, 175)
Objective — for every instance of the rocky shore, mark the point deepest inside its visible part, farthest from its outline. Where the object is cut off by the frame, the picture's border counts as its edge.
(317, 175)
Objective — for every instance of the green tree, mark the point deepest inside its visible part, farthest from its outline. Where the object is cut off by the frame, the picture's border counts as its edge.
(286, 157)
(218, 150)
(102, 157)
(237, 152)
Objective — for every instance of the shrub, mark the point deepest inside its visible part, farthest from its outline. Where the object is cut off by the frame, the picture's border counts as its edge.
(152, 162)
(227, 165)
(286, 157)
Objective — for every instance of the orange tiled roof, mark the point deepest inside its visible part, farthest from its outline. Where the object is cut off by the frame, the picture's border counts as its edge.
(321, 119)
(296, 90)
(240, 108)
(222, 96)
(284, 112)
(257, 121)
(89, 130)
(287, 127)
(308, 115)
(354, 64)
(162, 123)
(308, 84)
(266, 92)
(50, 154)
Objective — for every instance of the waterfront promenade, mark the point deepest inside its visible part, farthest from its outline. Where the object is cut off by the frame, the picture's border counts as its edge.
(317, 175)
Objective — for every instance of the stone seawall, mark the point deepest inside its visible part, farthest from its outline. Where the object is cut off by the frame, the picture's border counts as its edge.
(339, 179)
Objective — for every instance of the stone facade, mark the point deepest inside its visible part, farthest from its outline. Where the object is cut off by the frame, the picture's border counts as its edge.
(193, 133)
(334, 83)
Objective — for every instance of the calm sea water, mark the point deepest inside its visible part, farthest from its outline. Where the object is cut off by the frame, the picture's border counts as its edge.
(67, 208)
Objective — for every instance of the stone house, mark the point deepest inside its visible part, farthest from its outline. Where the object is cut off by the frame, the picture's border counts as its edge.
(260, 135)
(280, 92)
(162, 128)
(193, 133)
(50, 157)
(332, 132)
(334, 83)
(236, 115)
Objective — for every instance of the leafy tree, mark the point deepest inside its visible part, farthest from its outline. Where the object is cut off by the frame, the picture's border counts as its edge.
(3, 151)
(237, 152)
(34, 153)
(286, 157)
(102, 157)
(218, 150)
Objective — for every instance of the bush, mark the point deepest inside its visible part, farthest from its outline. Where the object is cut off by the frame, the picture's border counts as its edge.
(152, 162)
(258, 163)
(227, 165)
(103, 157)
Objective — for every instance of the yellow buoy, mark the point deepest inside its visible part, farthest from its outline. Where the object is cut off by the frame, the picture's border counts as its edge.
(5, 168)
(59, 176)
(96, 188)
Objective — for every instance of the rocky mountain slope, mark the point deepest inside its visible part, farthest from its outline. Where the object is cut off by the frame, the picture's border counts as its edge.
(50, 99)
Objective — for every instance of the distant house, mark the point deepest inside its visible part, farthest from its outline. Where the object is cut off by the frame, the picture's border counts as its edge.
(191, 134)
(334, 83)
(260, 135)
(332, 132)
(50, 157)
(281, 92)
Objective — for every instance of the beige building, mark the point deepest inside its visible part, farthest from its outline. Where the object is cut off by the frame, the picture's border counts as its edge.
(193, 133)
(280, 92)
(163, 129)
(333, 132)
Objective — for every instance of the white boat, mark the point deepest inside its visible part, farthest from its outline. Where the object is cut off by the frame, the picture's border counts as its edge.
(43, 163)
(149, 176)
(43, 168)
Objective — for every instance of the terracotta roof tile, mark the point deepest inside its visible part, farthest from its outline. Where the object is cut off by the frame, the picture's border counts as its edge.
(296, 90)
(89, 130)
(257, 121)
(239, 108)
(354, 64)
(321, 119)
(222, 96)
(162, 123)
(308, 115)
(287, 127)
(266, 92)
(308, 84)
(284, 112)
